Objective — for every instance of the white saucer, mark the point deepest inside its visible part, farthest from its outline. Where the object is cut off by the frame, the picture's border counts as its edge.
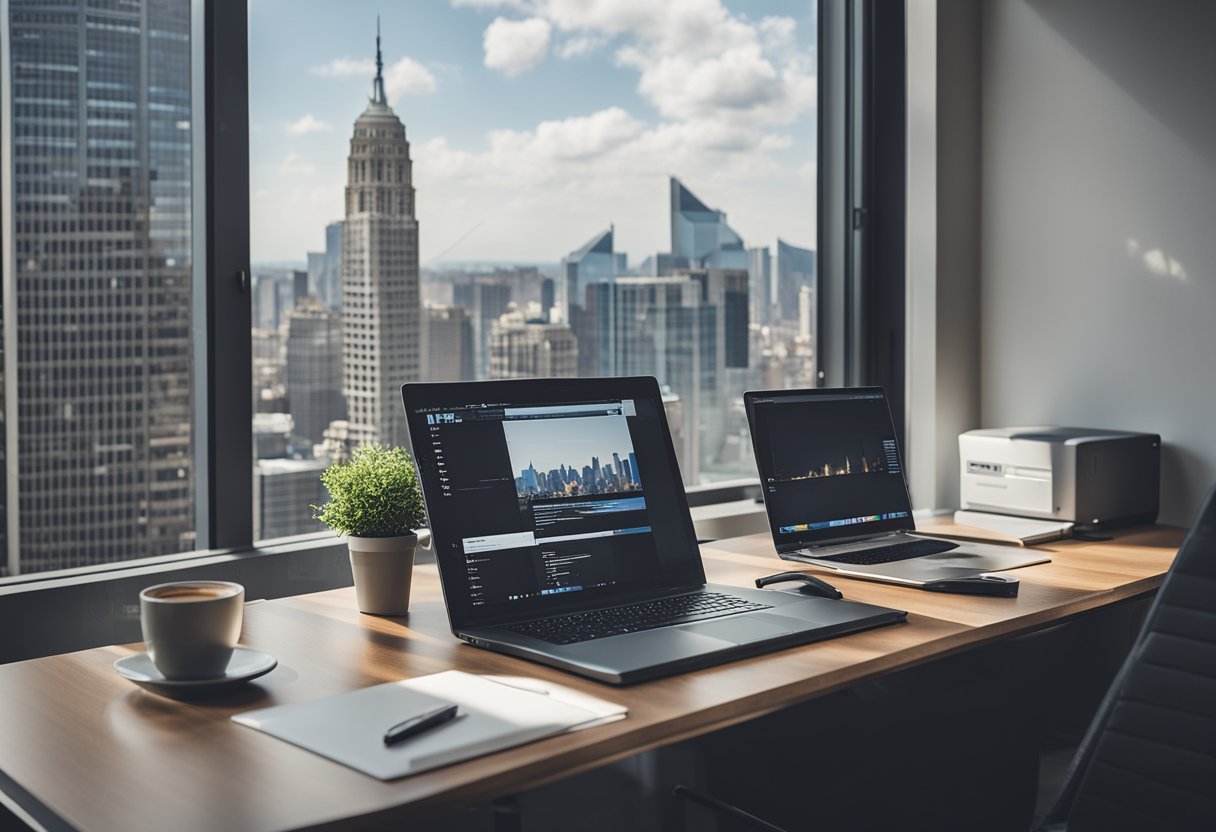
(245, 664)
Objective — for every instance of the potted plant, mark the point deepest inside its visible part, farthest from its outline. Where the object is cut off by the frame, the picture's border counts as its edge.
(375, 501)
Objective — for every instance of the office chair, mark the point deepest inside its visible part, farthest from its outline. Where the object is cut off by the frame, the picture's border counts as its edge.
(1148, 759)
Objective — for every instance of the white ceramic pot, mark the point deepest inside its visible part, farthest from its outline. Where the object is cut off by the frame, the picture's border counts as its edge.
(383, 567)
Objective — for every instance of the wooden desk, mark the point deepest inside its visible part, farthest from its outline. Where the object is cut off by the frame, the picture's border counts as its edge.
(82, 748)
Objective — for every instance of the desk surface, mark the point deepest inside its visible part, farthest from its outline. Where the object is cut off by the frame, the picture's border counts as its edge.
(83, 748)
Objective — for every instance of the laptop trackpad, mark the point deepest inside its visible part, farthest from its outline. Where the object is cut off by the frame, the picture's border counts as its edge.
(742, 629)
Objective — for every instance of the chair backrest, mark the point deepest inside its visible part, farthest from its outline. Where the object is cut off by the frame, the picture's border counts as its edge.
(1148, 760)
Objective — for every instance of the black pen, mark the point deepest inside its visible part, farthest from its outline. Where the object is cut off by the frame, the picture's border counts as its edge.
(416, 725)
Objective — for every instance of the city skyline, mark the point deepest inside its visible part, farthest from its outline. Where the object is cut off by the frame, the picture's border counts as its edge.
(521, 155)
(550, 443)
(577, 479)
(864, 465)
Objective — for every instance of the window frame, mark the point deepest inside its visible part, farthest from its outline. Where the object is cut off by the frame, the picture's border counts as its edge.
(862, 188)
(88, 606)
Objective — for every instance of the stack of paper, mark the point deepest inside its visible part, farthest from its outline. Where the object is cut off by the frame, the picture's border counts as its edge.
(495, 713)
(1021, 530)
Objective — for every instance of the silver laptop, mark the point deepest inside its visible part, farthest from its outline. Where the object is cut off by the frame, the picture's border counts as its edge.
(562, 534)
(836, 496)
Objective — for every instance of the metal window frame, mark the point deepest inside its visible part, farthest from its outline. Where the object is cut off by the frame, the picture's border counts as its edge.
(229, 349)
(862, 205)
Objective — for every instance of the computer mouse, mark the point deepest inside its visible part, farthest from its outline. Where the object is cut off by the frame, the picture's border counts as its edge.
(810, 585)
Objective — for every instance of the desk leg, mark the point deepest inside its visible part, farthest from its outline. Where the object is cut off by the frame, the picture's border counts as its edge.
(506, 815)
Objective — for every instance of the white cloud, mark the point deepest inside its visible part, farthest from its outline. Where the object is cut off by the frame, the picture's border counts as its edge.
(294, 165)
(408, 77)
(405, 77)
(582, 45)
(777, 33)
(609, 152)
(571, 139)
(515, 46)
(739, 79)
(308, 123)
(694, 58)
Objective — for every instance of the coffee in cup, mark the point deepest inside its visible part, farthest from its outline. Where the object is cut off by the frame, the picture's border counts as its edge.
(191, 627)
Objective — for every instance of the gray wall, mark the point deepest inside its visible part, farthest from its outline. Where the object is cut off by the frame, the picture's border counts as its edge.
(1098, 224)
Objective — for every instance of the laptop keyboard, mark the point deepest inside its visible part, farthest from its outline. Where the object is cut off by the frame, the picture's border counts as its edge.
(889, 554)
(647, 615)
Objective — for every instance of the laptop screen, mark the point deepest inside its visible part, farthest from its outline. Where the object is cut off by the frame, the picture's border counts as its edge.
(829, 464)
(549, 494)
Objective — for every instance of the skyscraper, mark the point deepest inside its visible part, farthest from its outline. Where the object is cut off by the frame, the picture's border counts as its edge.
(285, 490)
(98, 402)
(595, 260)
(331, 285)
(795, 269)
(325, 268)
(520, 348)
(661, 327)
(447, 344)
(314, 369)
(760, 279)
(380, 312)
(726, 291)
(485, 298)
(806, 312)
(700, 237)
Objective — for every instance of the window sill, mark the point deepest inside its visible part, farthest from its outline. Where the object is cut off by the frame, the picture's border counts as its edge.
(76, 609)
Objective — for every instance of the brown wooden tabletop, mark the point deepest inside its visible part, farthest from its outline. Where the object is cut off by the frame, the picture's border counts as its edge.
(82, 748)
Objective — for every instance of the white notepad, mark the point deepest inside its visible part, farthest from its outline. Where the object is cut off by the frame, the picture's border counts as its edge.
(496, 712)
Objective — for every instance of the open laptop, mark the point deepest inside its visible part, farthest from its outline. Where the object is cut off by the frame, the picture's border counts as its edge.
(562, 534)
(836, 496)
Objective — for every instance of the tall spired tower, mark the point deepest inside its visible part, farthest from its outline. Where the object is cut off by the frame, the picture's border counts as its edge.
(380, 313)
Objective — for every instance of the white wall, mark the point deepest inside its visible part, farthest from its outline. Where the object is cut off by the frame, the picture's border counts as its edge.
(943, 372)
(1098, 224)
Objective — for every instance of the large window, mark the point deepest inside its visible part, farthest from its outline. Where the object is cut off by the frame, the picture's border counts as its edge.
(98, 234)
(482, 189)
(530, 188)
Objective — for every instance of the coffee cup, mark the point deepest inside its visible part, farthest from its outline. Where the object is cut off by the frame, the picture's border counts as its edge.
(191, 627)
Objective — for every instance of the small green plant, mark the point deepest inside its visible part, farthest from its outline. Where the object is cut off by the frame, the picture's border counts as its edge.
(375, 494)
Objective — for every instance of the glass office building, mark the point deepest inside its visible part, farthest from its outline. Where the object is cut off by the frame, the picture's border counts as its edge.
(700, 237)
(663, 327)
(314, 370)
(795, 270)
(595, 260)
(98, 369)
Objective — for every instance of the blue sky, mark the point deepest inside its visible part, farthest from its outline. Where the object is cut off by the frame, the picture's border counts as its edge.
(533, 124)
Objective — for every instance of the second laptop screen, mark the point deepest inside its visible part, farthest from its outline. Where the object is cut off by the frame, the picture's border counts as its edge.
(829, 465)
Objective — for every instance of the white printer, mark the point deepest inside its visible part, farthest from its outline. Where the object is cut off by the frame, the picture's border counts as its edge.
(1082, 475)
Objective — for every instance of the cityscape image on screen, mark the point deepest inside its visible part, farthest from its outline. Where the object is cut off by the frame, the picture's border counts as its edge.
(572, 457)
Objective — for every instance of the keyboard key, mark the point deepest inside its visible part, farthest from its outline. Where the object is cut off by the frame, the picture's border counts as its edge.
(646, 615)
